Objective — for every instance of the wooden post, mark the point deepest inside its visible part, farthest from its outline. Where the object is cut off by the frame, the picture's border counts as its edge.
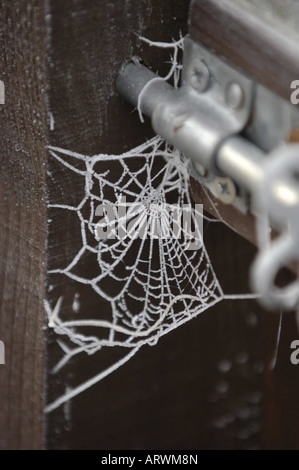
(23, 160)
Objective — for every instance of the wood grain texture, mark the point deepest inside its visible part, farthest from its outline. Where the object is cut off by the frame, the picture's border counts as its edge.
(260, 48)
(282, 15)
(281, 387)
(22, 223)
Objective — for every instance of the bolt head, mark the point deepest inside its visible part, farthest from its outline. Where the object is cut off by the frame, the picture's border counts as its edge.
(235, 96)
(225, 189)
(200, 169)
(198, 75)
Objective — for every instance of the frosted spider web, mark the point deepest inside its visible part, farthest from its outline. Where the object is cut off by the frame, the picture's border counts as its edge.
(150, 285)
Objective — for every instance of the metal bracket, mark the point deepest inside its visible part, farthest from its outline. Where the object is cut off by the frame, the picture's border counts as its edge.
(214, 98)
(228, 126)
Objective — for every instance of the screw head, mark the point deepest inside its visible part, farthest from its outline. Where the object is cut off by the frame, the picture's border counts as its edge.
(235, 96)
(198, 75)
(225, 189)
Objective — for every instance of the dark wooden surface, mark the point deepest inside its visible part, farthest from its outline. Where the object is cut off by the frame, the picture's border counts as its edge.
(248, 40)
(281, 386)
(22, 223)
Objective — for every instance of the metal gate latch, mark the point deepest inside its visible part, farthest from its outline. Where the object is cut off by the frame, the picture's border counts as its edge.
(234, 131)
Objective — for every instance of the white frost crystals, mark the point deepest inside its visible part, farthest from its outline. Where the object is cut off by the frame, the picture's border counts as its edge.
(146, 286)
(164, 294)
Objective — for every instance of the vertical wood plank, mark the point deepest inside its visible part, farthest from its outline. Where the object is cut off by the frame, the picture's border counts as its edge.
(22, 222)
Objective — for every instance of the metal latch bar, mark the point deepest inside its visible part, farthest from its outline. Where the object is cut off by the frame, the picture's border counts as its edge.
(237, 157)
(226, 123)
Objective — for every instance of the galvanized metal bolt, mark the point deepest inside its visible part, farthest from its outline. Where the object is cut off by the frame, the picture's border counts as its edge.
(200, 169)
(225, 189)
(235, 96)
(199, 75)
